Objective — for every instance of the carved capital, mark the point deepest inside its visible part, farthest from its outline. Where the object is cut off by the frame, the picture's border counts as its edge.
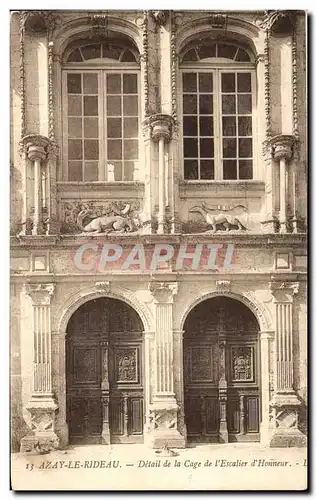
(163, 291)
(103, 286)
(40, 293)
(160, 126)
(278, 22)
(282, 147)
(160, 16)
(283, 291)
(35, 147)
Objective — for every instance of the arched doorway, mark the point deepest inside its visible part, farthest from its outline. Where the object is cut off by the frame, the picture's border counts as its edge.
(222, 372)
(104, 373)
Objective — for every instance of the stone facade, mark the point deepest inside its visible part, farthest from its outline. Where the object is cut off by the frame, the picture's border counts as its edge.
(156, 207)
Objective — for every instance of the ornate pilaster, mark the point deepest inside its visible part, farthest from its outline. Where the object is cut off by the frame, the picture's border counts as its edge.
(39, 185)
(266, 337)
(42, 406)
(105, 392)
(285, 402)
(145, 63)
(222, 392)
(164, 408)
(282, 147)
(22, 75)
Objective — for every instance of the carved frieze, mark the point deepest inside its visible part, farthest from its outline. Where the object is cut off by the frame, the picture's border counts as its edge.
(95, 217)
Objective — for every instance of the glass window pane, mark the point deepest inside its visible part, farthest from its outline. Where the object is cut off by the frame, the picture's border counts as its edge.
(131, 150)
(74, 127)
(128, 170)
(245, 125)
(228, 82)
(91, 149)
(90, 83)
(228, 104)
(75, 171)
(74, 149)
(229, 147)
(207, 171)
(130, 127)
(244, 104)
(245, 148)
(128, 56)
(189, 82)
(244, 82)
(130, 84)
(206, 125)
(75, 56)
(206, 148)
(229, 169)
(242, 56)
(74, 83)
(226, 51)
(205, 82)
(111, 52)
(114, 84)
(229, 125)
(114, 106)
(245, 169)
(74, 105)
(190, 104)
(90, 171)
(91, 127)
(91, 105)
(190, 125)
(91, 51)
(114, 127)
(191, 169)
(205, 104)
(130, 105)
(190, 55)
(117, 171)
(206, 51)
(114, 149)
(190, 148)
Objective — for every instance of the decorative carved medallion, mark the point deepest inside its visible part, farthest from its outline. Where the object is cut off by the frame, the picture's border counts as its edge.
(126, 365)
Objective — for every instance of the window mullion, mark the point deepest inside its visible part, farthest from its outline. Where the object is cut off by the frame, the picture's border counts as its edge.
(217, 125)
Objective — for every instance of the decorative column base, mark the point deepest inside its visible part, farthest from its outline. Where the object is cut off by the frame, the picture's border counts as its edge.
(44, 438)
(163, 429)
(285, 413)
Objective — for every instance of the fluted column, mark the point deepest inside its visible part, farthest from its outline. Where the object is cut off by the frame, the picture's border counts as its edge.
(285, 402)
(282, 152)
(42, 406)
(164, 407)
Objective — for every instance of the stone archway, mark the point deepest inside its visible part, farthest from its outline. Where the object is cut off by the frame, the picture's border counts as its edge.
(104, 373)
(222, 374)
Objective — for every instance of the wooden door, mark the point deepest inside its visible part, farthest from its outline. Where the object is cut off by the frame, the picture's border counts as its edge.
(104, 374)
(221, 372)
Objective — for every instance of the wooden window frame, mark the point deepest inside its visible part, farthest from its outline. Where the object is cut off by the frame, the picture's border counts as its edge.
(102, 70)
(217, 68)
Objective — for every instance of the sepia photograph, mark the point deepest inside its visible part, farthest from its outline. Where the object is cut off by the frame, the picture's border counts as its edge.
(158, 250)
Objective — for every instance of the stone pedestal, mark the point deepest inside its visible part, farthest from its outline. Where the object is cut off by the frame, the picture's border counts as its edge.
(285, 404)
(163, 410)
(42, 406)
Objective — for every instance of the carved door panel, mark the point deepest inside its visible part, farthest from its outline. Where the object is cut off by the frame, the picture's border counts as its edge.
(84, 393)
(243, 408)
(221, 382)
(201, 389)
(126, 391)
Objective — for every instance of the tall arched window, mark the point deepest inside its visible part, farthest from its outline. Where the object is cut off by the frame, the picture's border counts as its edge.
(101, 110)
(217, 111)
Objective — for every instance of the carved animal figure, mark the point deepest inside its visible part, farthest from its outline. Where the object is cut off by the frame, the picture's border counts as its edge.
(106, 223)
(221, 218)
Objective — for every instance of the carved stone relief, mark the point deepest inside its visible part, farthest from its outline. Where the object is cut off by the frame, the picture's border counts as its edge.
(95, 218)
(217, 217)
